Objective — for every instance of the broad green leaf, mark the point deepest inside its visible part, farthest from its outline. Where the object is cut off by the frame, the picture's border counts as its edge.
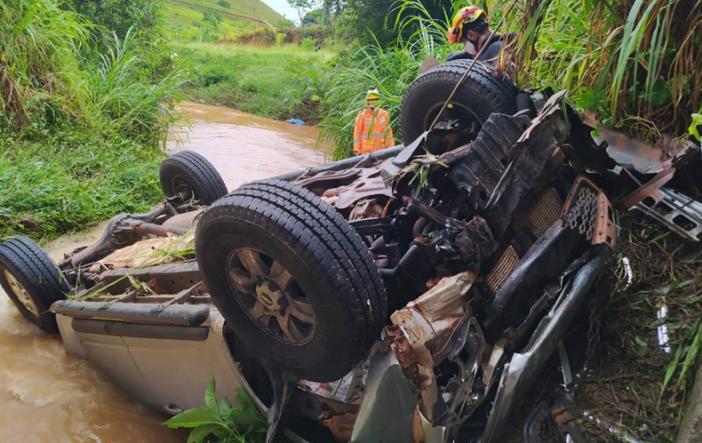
(225, 408)
(193, 418)
(210, 399)
(198, 434)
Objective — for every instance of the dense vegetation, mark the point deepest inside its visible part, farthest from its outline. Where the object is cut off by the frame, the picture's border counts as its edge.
(275, 82)
(82, 111)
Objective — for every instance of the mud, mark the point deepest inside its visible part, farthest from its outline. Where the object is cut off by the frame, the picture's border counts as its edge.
(47, 396)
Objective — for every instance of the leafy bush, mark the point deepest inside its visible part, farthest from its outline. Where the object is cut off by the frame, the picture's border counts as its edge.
(223, 422)
(224, 4)
(307, 44)
(143, 17)
(280, 38)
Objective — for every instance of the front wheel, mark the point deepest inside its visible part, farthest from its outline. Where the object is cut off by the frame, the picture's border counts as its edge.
(32, 281)
(480, 94)
(292, 279)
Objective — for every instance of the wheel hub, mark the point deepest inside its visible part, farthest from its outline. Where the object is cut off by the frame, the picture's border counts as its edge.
(21, 293)
(270, 296)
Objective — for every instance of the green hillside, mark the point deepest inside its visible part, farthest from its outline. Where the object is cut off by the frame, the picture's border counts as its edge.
(238, 15)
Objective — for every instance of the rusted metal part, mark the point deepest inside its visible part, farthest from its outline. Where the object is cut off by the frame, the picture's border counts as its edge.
(638, 155)
(341, 425)
(527, 160)
(649, 189)
(186, 220)
(421, 333)
(142, 229)
(588, 211)
(478, 167)
(368, 208)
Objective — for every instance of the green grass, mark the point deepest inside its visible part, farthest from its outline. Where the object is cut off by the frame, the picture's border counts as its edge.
(70, 182)
(181, 16)
(277, 82)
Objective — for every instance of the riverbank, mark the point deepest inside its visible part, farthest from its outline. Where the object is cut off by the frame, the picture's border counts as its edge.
(278, 82)
(73, 180)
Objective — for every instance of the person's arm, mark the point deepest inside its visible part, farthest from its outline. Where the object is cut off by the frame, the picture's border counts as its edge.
(357, 134)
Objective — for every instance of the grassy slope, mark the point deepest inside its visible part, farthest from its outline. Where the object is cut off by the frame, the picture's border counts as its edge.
(180, 15)
(250, 79)
(68, 183)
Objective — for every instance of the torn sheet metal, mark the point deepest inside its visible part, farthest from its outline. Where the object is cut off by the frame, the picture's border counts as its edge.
(649, 189)
(638, 155)
(680, 213)
(421, 333)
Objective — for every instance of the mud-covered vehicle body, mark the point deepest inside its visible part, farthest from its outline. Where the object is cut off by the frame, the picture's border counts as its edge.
(413, 294)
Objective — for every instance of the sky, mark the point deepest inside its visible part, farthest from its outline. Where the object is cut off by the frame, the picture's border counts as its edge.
(283, 8)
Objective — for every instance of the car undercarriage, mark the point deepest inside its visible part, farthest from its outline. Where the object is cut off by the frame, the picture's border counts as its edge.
(413, 294)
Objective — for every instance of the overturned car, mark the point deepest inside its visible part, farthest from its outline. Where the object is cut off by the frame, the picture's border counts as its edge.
(413, 294)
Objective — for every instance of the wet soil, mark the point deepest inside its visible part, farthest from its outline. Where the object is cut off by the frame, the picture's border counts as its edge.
(47, 396)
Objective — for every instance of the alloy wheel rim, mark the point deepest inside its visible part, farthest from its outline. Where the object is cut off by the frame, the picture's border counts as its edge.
(270, 296)
(21, 293)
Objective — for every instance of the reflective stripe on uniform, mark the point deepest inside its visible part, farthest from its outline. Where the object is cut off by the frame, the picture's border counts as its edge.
(357, 141)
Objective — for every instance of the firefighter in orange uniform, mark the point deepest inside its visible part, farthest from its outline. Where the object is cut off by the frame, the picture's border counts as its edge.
(372, 131)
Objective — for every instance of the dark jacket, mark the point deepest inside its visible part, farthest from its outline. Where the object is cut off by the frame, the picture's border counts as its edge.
(491, 52)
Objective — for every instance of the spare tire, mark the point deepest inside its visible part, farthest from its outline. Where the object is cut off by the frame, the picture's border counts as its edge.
(188, 172)
(480, 94)
(292, 279)
(32, 281)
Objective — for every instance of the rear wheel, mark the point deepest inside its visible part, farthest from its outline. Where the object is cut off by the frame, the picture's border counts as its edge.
(480, 94)
(189, 173)
(292, 279)
(32, 281)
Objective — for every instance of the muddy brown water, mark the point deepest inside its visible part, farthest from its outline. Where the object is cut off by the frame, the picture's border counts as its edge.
(48, 396)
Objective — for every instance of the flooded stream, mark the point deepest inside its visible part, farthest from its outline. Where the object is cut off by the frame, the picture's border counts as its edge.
(47, 396)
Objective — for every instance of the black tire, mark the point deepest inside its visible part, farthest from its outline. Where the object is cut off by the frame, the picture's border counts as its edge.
(480, 94)
(37, 274)
(191, 170)
(327, 259)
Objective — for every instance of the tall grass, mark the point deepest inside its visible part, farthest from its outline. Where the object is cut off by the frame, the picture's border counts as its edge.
(121, 94)
(40, 76)
(638, 62)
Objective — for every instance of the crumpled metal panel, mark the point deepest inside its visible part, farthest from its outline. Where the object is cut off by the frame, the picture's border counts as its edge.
(478, 167)
(519, 374)
(528, 158)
